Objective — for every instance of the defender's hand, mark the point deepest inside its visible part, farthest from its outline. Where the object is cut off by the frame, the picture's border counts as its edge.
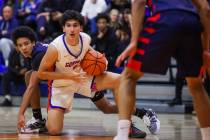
(20, 122)
(129, 51)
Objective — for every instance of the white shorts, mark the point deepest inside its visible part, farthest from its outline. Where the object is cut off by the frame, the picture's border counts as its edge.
(62, 97)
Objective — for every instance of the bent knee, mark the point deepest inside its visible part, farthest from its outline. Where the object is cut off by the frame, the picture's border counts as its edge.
(54, 131)
(130, 74)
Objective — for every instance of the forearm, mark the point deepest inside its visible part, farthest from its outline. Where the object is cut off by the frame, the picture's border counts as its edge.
(138, 9)
(26, 100)
(46, 75)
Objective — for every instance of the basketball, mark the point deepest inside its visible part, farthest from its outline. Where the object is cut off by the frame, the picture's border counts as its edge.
(94, 63)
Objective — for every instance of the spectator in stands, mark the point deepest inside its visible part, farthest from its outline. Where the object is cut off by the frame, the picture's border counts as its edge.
(13, 3)
(120, 5)
(75, 5)
(47, 25)
(49, 15)
(114, 19)
(123, 41)
(126, 20)
(27, 12)
(89, 14)
(7, 24)
(105, 40)
(16, 70)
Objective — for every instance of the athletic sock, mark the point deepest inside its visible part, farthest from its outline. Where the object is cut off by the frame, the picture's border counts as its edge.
(205, 133)
(123, 130)
(140, 112)
(37, 113)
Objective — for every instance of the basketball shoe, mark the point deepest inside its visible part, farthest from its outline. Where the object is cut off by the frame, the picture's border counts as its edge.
(34, 126)
(151, 121)
(136, 133)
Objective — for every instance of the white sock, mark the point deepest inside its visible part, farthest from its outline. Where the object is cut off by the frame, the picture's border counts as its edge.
(205, 133)
(8, 97)
(123, 130)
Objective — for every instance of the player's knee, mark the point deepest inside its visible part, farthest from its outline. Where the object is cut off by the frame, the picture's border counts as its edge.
(106, 111)
(129, 75)
(54, 131)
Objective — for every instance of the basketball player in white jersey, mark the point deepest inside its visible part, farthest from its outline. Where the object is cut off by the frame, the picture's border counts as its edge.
(61, 65)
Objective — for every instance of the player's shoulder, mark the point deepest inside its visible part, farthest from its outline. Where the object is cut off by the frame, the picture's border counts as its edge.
(57, 40)
(85, 36)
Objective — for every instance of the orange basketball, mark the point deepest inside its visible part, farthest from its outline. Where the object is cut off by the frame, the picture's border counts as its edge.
(94, 63)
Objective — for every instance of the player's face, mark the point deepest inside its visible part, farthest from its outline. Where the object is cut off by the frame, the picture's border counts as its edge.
(25, 46)
(102, 24)
(72, 29)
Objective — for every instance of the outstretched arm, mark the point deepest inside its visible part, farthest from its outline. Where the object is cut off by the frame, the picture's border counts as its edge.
(33, 83)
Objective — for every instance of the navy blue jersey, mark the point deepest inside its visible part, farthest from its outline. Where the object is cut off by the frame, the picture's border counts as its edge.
(38, 53)
(163, 5)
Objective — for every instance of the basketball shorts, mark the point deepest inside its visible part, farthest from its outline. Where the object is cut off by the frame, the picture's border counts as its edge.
(62, 97)
(169, 34)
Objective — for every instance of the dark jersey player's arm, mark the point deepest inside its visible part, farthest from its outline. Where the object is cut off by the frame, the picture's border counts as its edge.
(33, 83)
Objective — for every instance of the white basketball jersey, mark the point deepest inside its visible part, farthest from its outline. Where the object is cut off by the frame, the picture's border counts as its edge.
(69, 59)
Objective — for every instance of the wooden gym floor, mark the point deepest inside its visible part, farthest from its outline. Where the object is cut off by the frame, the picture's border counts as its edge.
(94, 125)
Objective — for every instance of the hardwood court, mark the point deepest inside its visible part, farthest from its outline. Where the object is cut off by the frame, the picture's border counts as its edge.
(94, 125)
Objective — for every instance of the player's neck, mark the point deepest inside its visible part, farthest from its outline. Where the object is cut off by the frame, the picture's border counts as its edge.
(72, 41)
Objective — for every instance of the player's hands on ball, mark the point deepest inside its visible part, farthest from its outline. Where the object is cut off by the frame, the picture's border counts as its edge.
(78, 77)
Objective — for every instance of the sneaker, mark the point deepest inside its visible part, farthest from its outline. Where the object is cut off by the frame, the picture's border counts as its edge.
(175, 101)
(136, 133)
(6, 102)
(34, 126)
(151, 121)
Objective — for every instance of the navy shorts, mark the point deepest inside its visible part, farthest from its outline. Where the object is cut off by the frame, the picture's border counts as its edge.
(169, 34)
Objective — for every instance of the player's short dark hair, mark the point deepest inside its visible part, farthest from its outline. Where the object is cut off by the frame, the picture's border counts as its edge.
(23, 31)
(71, 15)
(102, 16)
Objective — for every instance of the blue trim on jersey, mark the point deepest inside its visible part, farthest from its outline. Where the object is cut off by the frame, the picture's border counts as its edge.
(51, 106)
(76, 56)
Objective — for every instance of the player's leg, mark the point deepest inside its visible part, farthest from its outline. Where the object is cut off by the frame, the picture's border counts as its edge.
(111, 81)
(148, 116)
(201, 105)
(191, 64)
(59, 101)
(55, 121)
(103, 104)
(126, 100)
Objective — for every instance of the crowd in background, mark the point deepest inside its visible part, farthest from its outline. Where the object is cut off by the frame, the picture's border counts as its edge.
(109, 21)
(108, 25)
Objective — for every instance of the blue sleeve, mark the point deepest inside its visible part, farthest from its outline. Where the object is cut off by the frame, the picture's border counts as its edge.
(37, 60)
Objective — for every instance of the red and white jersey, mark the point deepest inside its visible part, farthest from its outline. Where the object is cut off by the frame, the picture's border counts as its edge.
(69, 57)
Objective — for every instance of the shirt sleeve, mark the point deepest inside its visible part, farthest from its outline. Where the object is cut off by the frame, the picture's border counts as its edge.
(37, 60)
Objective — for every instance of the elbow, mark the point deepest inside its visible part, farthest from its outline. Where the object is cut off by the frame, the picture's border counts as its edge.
(40, 75)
